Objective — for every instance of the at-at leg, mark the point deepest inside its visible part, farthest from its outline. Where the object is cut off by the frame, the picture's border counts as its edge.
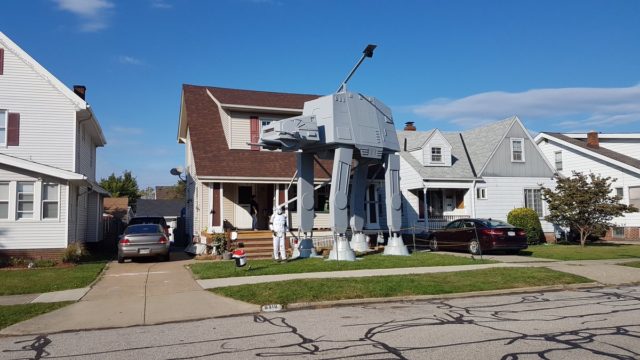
(338, 203)
(306, 204)
(395, 245)
(358, 191)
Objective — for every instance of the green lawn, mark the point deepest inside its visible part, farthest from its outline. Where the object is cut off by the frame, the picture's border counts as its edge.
(635, 264)
(313, 290)
(589, 252)
(12, 314)
(223, 269)
(31, 281)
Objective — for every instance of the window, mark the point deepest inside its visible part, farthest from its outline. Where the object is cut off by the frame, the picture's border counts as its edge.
(322, 198)
(4, 200)
(618, 232)
(517, 150)
(481, 193)
(436, 154)
(3, 128)
(50, 196)
(25, 200)
(620, 193)
(370, 201)
(558, 155)
(533, 200)
(634, 196)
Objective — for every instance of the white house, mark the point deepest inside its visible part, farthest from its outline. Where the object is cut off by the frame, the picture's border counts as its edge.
(48, 139)
(614, 155)
(484, 172)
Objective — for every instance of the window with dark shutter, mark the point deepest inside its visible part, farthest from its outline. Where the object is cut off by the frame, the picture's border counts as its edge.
(13, 129)
(1, 61)
(255, 132)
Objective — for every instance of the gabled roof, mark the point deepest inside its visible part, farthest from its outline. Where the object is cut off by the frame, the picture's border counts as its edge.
(40, 70)
(80, 105)
(482, 142)
(147, 207)
(260, 99)
(460, 167)
(211, 153)
(601, 153)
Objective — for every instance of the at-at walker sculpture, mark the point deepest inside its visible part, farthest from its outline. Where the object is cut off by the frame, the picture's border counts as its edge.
(343, 126)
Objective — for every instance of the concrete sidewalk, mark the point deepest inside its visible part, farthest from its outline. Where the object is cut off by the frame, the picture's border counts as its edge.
(136, 294)
(54, 296)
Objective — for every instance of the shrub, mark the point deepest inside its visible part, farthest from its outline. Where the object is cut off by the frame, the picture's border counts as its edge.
(43, 263)
(528, 220)
(73, 253)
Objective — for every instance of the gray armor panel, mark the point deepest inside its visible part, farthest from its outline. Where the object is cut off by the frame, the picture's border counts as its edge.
(392, 190)
(358, 191)
(339, 195)
(306, 202)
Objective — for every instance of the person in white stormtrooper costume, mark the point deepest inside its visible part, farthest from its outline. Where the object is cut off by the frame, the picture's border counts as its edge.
(278, 225)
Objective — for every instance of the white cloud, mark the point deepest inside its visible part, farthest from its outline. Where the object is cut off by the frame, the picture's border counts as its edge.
(568, 108)
(160, 4)
(129, 60)
(93, 13)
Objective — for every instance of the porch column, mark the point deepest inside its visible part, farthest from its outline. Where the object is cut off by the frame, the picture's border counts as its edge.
(426, 209)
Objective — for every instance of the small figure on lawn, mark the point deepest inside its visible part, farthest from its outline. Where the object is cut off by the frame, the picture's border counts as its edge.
(278, 225)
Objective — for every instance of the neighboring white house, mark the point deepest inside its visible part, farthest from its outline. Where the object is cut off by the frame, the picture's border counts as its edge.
(614, 155)
(48, 139)
(484, 172)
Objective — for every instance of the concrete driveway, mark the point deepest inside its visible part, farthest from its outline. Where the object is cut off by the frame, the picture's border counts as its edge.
(136, 293)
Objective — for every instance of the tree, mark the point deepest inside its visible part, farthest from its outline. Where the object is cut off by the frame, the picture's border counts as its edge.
(584, 202)
(180, 189)
(122, 185)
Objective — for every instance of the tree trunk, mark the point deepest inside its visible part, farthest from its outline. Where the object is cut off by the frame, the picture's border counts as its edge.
(583, 237)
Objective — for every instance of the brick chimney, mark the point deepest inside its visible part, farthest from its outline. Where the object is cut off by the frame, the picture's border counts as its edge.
(408, 126)
(80, 90)
(592, 140)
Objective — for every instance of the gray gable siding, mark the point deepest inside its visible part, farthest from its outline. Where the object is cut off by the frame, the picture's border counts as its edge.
(501, 165)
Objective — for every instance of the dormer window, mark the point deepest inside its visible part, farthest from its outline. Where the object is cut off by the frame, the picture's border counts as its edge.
(517, 150)
(436, 154)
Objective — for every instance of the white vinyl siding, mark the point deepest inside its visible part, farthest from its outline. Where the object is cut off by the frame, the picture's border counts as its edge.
(50, 201)
(517, 150)
(240, 127)
(47, 116)
(436, 151)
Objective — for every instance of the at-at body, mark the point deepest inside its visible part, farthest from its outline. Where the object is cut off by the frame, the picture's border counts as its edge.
(343, 126)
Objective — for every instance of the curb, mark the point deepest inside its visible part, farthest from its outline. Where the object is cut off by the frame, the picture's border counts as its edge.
(349, 302)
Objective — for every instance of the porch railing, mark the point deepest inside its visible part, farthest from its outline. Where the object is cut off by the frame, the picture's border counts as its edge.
(437, 223)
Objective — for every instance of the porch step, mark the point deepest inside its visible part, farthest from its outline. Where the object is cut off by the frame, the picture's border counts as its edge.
(260, 234)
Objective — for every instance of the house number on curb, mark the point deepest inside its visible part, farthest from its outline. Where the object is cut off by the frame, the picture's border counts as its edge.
(271, 308)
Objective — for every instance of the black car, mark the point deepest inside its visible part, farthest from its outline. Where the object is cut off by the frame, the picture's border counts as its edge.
(479, 235)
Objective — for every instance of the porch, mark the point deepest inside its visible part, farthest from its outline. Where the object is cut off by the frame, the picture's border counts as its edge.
(439, 206)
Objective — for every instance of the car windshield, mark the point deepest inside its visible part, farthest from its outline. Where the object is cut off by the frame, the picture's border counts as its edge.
(143, 229)
(495, 223)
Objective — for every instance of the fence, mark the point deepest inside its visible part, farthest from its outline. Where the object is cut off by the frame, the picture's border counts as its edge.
(437, 223)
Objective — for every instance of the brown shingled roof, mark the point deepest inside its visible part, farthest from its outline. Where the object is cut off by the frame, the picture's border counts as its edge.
(211, 153)
(614, 155)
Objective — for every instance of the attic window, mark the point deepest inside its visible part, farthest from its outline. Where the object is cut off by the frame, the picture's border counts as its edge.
(436, 154)
(517, 150)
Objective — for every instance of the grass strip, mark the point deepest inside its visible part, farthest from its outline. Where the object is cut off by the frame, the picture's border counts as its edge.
(314, 290)
(224, 269)
(33, 281)
(635, 264)
(12, 314)
(589, 252)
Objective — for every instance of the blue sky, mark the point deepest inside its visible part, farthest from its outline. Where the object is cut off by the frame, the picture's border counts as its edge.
(558, 65)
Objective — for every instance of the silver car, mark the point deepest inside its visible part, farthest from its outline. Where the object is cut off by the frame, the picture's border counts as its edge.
(143, 240)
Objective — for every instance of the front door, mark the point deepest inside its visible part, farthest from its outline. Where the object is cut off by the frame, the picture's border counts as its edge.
(243, 207)
(435, 204)
(371, 207)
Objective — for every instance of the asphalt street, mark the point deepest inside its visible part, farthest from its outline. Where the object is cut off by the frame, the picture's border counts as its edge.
(600, 323)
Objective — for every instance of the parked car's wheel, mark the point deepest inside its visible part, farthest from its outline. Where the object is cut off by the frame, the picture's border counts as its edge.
(120, 259)
(433, 244)
(474, 247)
